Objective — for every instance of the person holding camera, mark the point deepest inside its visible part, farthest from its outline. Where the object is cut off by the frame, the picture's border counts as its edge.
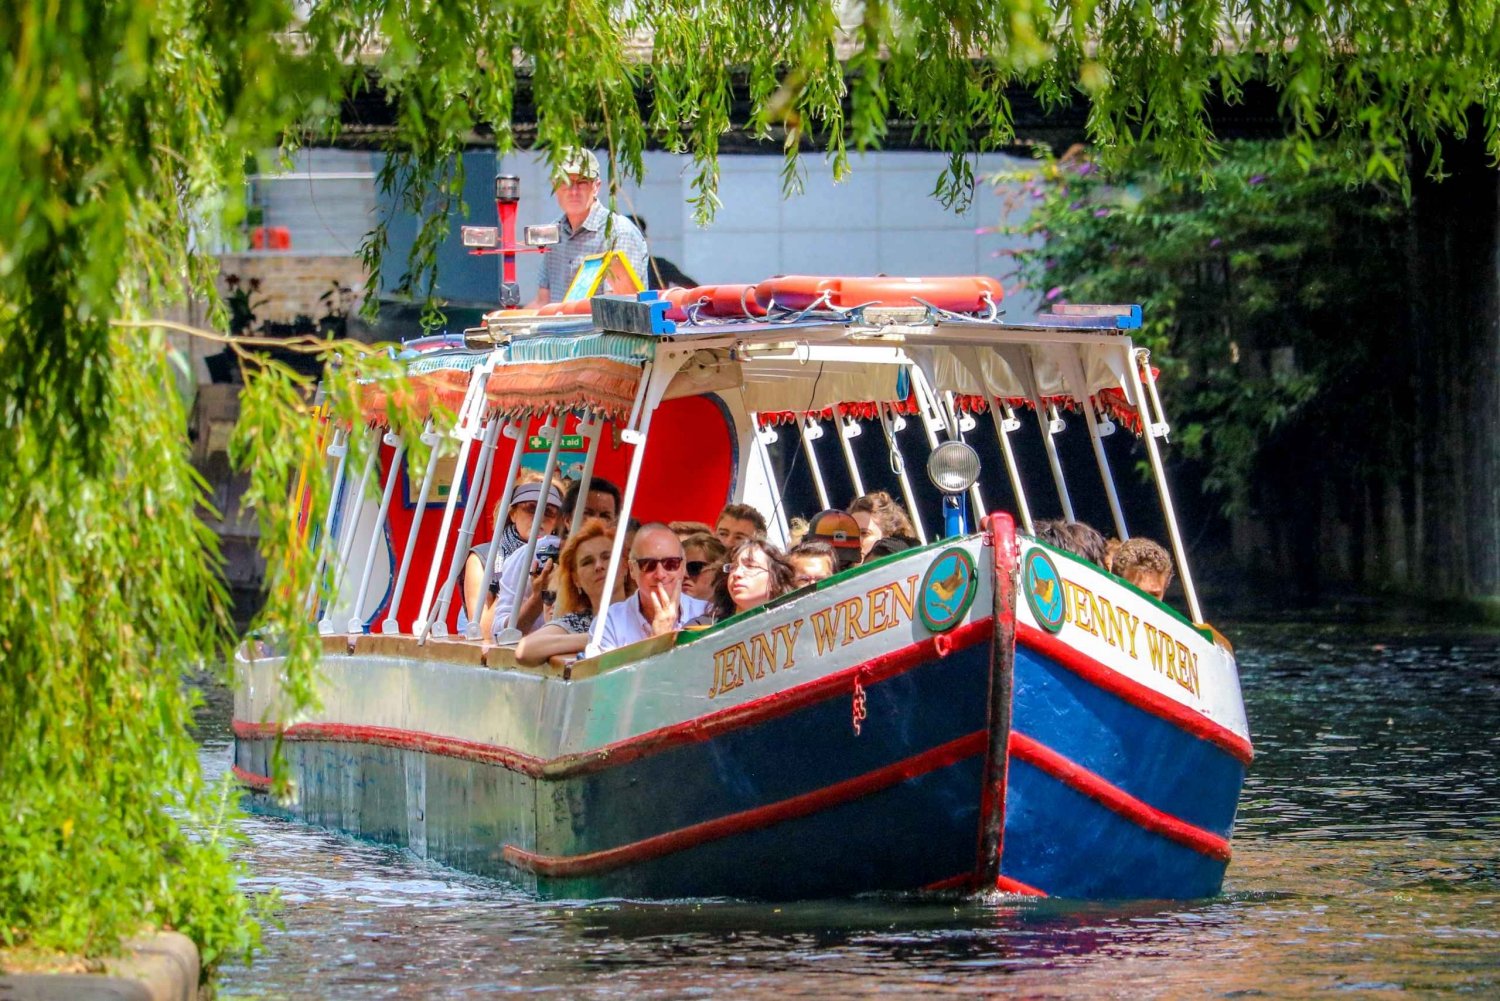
(581, 569)
(601, 500)
(531, 501)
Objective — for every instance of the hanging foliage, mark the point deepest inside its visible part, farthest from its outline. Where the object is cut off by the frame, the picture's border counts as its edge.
(1263, 292)
(124, 157)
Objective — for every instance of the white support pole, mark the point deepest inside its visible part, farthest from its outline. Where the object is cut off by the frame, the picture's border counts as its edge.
(1005, 422)
(1073, 372)
(356, 622)
(811, 431)
(960, 423)
(1142, 360)
(470, 414)
(339, 450)
(898, 464)
(850, 429)
(1051, 424)
(1096, 435)
(511, 634)
(636, 439)
(516, 431)
(346, 533)
(473, 507)
(592, 428)
(431, 438)
(761, 439)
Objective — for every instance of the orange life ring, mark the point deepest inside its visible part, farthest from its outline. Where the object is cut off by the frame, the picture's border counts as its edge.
(680, 298)
(575, 307)
(725, 300)
(962, 294)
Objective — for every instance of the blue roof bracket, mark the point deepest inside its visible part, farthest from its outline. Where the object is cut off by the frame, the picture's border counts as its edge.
(1111, 317)
(638, 313)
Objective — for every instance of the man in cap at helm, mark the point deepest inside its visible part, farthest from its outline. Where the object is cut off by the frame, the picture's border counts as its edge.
(586, 227)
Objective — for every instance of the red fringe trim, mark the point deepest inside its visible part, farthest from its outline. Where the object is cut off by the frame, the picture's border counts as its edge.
(605, 386)
(1111, 401)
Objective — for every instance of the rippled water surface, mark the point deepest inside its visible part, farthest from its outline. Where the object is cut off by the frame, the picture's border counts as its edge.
(1366, 860)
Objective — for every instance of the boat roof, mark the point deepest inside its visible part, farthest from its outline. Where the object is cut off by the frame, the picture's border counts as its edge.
(847, 362)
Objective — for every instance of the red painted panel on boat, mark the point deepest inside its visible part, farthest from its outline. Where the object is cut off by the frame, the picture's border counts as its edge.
(688, 473)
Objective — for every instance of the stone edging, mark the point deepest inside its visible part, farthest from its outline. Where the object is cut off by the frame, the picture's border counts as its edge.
(160, 967)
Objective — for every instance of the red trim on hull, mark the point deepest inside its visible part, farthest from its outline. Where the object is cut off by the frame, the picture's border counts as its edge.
(1112, 797)
(693, 731)
(1135, 693)
(406, 740)
(647, 849)
(260, 783)
(963, 881)
(1000, 704)
(1007, 885)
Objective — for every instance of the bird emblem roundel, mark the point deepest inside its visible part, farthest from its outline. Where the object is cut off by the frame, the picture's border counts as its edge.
(1043, 588)
(948, 590)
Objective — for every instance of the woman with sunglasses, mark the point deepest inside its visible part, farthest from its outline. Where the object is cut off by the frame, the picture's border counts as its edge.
(705, 556)
(528, 502)
(579, 583)
(756, 573)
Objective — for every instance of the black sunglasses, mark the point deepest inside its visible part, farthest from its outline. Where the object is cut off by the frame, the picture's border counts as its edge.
(647, 564)
(695, 567)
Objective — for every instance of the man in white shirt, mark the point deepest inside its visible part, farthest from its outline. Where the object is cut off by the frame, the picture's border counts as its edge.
(658, 605)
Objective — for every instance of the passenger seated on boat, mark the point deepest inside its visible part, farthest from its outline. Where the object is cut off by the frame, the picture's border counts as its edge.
(1073, 537)
(578, 582)
(841, 532)
(602, 502)
(535, 578)
(513, 535)
(756, 572)
(796, 531)
(880, 517)
(812, 560)
(657, 566)
(738, 522)
(705, 557)
(687, 528)
(1146, 564)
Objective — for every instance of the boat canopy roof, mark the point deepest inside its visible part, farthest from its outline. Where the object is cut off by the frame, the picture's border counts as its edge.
(847, 363)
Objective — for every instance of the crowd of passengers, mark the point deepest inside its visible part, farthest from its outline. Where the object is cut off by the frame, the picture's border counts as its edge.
(686, 574)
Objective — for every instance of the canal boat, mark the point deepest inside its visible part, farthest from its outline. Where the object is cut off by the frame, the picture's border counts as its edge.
(981, 711)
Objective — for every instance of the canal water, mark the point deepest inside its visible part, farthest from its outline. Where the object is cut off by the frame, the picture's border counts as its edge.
(1366, 860)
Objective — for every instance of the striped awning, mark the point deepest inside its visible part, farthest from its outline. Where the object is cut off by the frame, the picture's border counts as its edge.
(534, 375)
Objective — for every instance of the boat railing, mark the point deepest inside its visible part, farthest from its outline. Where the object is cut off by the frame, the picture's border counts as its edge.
(944, 412)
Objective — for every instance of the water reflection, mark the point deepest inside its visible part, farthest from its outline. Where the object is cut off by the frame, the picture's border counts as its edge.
(1365, 861)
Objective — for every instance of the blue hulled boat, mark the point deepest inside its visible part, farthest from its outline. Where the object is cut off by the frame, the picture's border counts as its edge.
(982, 710)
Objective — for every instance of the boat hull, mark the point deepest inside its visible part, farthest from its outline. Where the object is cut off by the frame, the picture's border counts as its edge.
(795, 753)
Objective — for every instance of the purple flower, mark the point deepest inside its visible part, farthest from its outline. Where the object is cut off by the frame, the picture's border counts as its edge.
(1075, 206)
(1085, 169)
(1257, 179)
(1100, 213)
(1053, 293)
(1214, 242)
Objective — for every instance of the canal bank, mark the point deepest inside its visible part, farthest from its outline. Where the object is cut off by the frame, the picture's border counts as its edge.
(159, 967)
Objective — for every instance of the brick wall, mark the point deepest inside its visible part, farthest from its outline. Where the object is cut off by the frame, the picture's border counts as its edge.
(291, 283)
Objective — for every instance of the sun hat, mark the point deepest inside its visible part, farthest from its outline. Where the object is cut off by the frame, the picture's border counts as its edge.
(533, 492)
(578, 161)
(839, 530)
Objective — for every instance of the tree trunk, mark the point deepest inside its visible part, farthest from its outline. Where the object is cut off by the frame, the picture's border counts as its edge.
(1454, 358)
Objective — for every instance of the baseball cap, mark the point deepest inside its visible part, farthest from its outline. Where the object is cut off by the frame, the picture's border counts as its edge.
(839, 530)
(533, 492)
(578, 161)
